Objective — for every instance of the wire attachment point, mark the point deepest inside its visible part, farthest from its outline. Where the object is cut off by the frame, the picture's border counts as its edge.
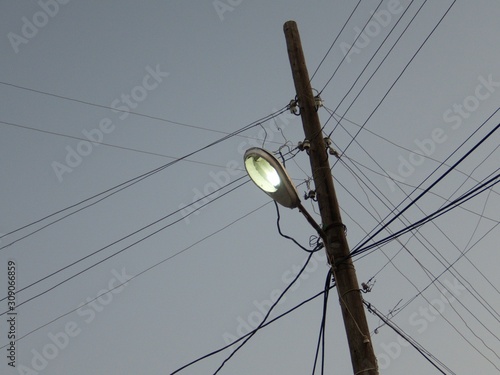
(318, 102)
(294, 107)
(311, 194)
(368, 286)
(306, 145)
(330, 149)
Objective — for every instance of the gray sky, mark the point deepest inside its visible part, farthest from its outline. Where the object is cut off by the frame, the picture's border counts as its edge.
(213, 68)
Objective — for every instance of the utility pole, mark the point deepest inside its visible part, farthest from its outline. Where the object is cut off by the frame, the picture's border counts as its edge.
(363, 357)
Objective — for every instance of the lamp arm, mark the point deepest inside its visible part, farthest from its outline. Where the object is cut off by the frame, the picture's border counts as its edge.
(311, 221)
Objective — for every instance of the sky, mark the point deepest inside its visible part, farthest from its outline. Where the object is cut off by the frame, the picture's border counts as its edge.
(115, 271)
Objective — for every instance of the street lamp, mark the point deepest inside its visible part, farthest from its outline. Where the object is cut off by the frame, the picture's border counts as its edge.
(271, 177)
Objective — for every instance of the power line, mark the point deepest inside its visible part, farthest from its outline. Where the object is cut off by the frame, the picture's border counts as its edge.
(450, 271)
(400, 75)
(249, 333)
(131, 234)
(106, 144)
(464, 198)
(417, 188)
(430, 275)
(371, 59)
(425, 353)
(358, 179)
(120, 251)
(437, 180)
(434, 170)
(335, 40)
(351, 47)
(468, 243)
(113, 109)
(458, 331)
(133, 181)
(143, 272)
(446, 269)
(267, 314)
(396, 182)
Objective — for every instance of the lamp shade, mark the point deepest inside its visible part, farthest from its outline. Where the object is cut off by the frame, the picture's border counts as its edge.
(271, 177)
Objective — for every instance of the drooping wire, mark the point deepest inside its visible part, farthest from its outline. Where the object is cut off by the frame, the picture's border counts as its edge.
(321, 338)
(479, 322)
(267, 314)
(249, 333)
(318, 247)
(476, 295)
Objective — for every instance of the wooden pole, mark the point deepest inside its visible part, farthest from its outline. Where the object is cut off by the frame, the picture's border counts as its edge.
(358, 335)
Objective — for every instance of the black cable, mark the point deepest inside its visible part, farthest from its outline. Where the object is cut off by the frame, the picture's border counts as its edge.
(468, 175)
(480, 188)
(434, 215)
(122, 250)
(321, 338)
(249, 333)
(419, 186)
(457, 330)
(433, 252)
(268, 313)
(433, 184)
(317, 248)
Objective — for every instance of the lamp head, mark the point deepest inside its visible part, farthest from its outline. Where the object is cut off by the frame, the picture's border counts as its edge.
(271, 177)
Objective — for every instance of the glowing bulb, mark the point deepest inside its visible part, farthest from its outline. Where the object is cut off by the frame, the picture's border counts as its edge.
(269, 175)
(263, 173)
